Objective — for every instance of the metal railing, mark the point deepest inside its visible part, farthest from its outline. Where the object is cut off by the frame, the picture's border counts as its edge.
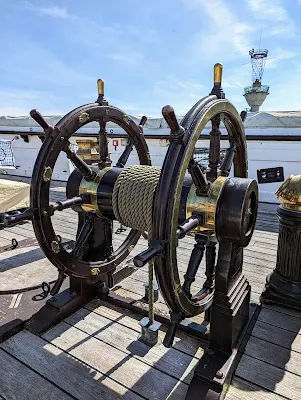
(201, 155)
(256, 89)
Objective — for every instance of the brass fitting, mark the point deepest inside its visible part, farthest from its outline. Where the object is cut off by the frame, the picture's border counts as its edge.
(87, 150)
(289, 193)
(205, 204)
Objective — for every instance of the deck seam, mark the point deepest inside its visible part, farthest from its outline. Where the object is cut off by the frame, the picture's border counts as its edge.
(273, 365)
(280, 312)
(134, 330)
(255, 384)
(279, 327)
(38, 373)
(90, 366)
(275, 344)
(133, 355)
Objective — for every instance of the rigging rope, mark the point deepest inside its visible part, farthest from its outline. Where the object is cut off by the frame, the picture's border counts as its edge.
(133, 197)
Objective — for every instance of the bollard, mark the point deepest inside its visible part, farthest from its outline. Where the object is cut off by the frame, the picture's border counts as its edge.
(283, 285)
(149, 331)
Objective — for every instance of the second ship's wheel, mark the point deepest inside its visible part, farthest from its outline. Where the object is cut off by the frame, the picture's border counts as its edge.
(205, 198)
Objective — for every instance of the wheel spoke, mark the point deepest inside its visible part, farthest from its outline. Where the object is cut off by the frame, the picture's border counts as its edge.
(210, 265)
(214, 151)
(228, 160)
(198, 177)
(83, 235)
(125, 155)
(129, 147)
(68, 203)
(41, 121)
(191, 223)
(104, 155)
(79, 163)
(194, 262)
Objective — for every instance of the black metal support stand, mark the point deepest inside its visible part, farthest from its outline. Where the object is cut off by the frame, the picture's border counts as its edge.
(228, 323)
(62, 305)
(283, 285)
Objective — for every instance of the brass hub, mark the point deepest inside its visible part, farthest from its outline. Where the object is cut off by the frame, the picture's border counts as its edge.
(91, 188)
(289, 193)
(205, 204)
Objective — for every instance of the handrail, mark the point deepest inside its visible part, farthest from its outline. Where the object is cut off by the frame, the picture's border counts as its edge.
(277, 138)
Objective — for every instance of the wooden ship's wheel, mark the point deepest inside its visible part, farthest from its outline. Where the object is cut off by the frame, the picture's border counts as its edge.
(216, 207)
(180, 199)
(89, 192)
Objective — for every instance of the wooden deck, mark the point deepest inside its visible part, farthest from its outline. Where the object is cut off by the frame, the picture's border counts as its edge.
(96, 354)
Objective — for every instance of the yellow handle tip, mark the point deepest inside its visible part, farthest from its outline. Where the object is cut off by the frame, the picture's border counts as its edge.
(218, 71)
(100, 86)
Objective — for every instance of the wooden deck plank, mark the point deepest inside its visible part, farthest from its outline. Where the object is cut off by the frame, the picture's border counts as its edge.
(280, 336)
(184, 343)
(25, 267)
(10, 235)
(281, 320)
(268, 370)
(121, 367)
(4, 242)
(283, 310)
(170, 361)
(23, 230)
(273, 354)
(81, 380)
(16, 380)
(269, 377)
(244, 390)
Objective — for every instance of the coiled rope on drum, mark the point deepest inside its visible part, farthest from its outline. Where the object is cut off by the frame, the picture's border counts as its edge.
(133, 197)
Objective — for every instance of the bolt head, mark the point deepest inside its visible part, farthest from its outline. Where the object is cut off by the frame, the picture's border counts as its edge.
(94, 271)
(83, 117)
(219, 375)
(55, 246)
(47, 174)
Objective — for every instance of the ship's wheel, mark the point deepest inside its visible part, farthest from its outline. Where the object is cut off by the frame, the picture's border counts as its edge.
(209, 214)
(82, 193)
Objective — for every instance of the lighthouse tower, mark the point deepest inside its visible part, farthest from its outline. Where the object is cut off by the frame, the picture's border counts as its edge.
(256, 94)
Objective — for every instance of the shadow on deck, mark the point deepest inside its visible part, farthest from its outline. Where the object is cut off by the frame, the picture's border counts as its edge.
(96, 354)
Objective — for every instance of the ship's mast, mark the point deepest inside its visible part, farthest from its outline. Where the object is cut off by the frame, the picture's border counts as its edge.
(256, 94)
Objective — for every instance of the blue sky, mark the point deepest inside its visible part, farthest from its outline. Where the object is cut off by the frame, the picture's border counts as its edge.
(150, 53)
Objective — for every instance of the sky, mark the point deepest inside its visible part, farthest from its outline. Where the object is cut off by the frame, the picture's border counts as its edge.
(149, 53)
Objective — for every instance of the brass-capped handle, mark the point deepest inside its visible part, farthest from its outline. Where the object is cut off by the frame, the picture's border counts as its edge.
(100, 86)
(218, 73)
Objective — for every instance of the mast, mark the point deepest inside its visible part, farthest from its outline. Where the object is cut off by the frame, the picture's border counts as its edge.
(256, 94)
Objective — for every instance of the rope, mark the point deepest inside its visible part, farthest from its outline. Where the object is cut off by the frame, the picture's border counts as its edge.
(133, 197)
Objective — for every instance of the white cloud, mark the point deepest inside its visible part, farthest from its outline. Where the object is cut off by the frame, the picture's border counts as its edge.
(237, 78)
(279, 55)
(19, 102)
(274, 16)
(175, 85)
(181, 94)
(129, 57)
(147, 35)
(228, 37)
(52, 11)
(56, 12)
(48, 71)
